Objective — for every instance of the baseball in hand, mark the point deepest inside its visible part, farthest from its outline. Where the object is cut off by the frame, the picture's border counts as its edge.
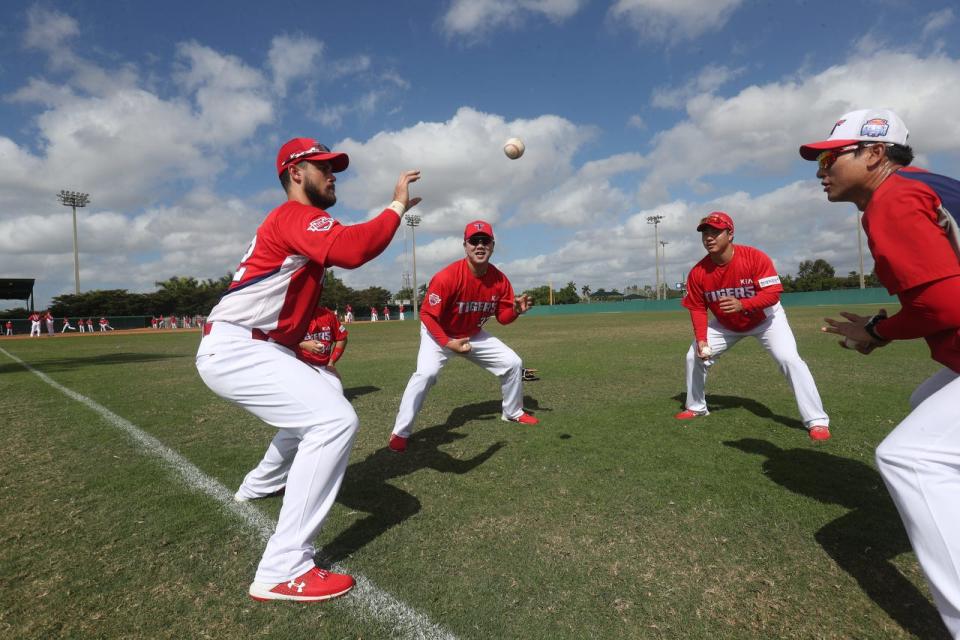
(514, 148)
(849, 343)
(706, 351)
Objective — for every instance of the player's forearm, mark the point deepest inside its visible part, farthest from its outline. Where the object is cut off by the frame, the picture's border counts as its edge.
(507, 314)
(698, 318)
(338, 350)
(360, 243)
(762, 300)
(927, 309)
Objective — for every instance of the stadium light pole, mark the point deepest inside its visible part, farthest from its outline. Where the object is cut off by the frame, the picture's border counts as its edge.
(412, 221)
(860, 246)
(664, 243)
(655, 221)
(74, 199)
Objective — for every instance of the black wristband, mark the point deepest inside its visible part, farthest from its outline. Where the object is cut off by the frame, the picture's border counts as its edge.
(870, 327)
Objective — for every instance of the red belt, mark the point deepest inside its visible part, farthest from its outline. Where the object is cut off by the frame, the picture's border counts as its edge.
(256, 334)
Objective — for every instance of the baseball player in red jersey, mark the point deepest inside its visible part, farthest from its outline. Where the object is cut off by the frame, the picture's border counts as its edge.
(248, 355)
(740, 286)
(9, 327)
(909, 219)
(89, 325)
(460, 299)
(373, 314)
(386, 313)
(67, 326)
(401, 312)
(34, 324)
(321, 348)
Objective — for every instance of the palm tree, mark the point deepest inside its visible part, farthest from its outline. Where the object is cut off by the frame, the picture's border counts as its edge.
(585, 292)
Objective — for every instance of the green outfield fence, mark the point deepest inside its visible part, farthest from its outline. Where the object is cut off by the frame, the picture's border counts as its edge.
(874, 296)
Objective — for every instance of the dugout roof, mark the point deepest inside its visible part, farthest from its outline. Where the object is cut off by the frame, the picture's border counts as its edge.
(16, 288)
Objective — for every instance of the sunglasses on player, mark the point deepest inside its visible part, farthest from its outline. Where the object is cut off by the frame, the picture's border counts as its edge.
(485, 241)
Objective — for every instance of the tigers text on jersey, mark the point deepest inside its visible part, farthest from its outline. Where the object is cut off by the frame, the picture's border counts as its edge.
(325, 329)
(280, 278)
(748, 273)
(458, 303)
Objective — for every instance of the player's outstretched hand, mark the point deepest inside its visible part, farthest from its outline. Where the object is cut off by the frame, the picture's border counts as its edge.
(401, 193)
(522, 303)
(854, 330)
(459, 345)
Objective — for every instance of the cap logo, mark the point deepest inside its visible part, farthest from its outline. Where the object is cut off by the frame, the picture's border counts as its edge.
(839, 122)
(875, 128)
(478, 225)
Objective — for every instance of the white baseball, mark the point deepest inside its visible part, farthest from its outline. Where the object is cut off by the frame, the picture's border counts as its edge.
(514, 148)
(706, 351)
(849, 343)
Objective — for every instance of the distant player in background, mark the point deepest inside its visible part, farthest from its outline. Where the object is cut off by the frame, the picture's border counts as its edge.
(48, 320)
(740, 286)
(105, 325)
(400, 312)
(172, 321)
(349, 317)
(89, 325)
(9, 327)
(321, 348)
(67, 326)
(909, 216)
(460, 299)
(386, 312)
(34, 324)
(373, 314)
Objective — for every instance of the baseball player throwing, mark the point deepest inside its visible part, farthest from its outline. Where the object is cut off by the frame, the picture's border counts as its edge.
(459, 301)
(248, 355)
(908, 217)
(740, 286)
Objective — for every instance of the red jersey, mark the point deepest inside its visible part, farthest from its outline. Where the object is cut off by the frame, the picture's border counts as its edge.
(914, 240)
(280, 278)
(34, 317)
(749, 276)
(458, 303)
(325, 329)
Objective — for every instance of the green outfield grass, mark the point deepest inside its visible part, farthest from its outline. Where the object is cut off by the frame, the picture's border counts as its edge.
(608, 520)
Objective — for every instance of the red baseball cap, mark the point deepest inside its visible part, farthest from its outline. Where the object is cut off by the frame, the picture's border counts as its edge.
(477, 228)
(299, 149)
(717, 220)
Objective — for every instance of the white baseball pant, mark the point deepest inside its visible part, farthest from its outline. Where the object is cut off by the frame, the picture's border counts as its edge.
(34, 329)
(920, 464)
(313, 417)
(486, 351)
(775, 335)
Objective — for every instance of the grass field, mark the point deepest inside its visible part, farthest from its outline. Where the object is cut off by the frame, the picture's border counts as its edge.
(609, 520)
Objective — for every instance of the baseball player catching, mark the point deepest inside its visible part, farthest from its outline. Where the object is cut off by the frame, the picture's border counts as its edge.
(248, 355)
(740, 286)
(460, 299)
(909, 219)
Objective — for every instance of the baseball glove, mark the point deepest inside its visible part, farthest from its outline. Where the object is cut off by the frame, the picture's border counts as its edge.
(529, 375)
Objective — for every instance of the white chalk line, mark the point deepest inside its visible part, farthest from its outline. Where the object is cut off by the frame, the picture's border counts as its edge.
(366, 597)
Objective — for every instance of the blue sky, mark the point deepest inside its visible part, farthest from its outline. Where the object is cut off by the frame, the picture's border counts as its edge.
(170, 114)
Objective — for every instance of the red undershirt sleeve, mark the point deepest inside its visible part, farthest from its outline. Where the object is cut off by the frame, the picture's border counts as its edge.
(927, 309)
(360, 243)
(698, 318)
(434, 328)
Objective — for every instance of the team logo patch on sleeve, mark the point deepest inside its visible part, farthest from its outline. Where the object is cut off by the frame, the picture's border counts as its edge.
(434, 299)
(322, 223)
(769, 282)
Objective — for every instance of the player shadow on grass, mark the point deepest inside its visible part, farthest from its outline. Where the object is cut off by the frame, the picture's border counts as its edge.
(864, 541)
(68, 364)
(721, 403)
(367, 488)
(355, 392)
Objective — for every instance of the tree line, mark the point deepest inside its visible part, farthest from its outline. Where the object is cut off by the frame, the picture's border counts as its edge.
(189, 296)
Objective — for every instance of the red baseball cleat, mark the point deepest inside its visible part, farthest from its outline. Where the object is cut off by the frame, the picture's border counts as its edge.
(398, 443)
(819, 433)
(525, 418)
(313, 586)
(688, 414)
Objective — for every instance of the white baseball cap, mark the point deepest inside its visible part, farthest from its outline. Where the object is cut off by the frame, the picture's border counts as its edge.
(862, 125)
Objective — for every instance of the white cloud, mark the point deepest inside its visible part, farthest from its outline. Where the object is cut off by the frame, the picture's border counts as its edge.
(673, 20)
(711, 78)
(636, 121)
(475, 18)
(937, 22)
(761, 128)
(291, 58)
(48, 30)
